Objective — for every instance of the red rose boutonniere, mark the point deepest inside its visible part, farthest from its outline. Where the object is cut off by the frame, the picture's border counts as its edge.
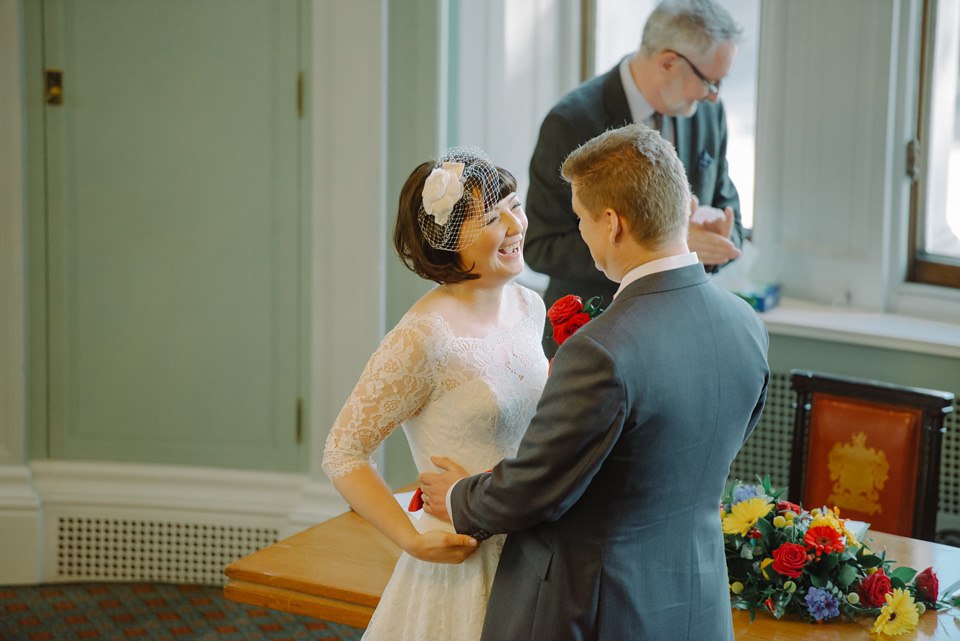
(569, 314)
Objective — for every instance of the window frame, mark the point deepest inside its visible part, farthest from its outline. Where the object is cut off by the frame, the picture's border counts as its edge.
(924, 267)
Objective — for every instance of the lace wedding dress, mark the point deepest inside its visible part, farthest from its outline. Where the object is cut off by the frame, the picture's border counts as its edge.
(468, 398)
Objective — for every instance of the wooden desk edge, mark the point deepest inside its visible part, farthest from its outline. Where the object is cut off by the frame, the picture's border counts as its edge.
(246, 577)
(327, 609)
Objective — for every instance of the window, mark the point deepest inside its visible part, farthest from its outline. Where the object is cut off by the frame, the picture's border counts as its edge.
(617, 28)
(934, 251)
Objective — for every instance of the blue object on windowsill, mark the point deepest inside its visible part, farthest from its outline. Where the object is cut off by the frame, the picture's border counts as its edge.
(762, 297)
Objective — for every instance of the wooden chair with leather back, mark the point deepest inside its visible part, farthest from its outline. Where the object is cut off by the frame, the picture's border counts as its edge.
(870, 449)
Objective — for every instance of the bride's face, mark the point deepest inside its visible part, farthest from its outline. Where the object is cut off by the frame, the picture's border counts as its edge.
(497, 254)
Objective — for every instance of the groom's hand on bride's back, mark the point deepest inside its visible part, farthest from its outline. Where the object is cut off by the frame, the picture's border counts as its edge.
(443, 547)
(434, 487)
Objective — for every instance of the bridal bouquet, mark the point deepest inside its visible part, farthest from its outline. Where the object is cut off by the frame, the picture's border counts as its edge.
(787, 560)
(569, 314)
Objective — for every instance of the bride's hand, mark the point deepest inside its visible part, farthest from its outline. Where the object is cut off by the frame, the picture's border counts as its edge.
(438, 546)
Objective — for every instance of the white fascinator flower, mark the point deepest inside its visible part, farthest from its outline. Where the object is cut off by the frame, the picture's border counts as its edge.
(442, 190)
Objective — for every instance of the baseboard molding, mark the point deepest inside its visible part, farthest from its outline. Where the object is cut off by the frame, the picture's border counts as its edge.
(124, 521)
(19, 527)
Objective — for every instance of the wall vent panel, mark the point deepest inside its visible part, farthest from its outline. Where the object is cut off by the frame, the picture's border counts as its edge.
(767, 451)
(950, 462)
(115, 549)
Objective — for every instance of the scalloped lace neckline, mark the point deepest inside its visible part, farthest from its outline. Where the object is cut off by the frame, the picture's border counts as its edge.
(447, 328)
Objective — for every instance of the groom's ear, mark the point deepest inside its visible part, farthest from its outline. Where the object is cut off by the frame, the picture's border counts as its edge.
(614, 224)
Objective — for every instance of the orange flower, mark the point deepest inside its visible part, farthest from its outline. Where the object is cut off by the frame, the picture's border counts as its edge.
(824, 539)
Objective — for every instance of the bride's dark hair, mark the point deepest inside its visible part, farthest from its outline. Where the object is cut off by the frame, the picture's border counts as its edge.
(438, 265)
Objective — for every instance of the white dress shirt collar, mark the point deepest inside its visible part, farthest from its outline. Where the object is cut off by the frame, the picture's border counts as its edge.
(654, 266)
(640, 109)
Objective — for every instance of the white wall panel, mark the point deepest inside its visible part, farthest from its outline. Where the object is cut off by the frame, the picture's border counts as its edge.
(825, 147)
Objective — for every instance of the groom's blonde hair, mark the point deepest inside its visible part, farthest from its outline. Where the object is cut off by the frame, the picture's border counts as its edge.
(635, 172)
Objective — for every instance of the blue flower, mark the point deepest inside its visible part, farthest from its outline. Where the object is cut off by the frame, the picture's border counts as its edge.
(744, 492)
(821, 604)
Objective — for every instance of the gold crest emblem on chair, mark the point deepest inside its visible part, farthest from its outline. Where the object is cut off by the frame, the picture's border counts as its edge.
(858, 473)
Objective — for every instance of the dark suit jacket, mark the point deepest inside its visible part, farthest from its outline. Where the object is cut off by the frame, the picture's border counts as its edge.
(613, 500)
(553, 245)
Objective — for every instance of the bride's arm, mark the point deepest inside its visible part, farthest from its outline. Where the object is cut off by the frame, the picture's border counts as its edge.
(396, 383)
(366, 492)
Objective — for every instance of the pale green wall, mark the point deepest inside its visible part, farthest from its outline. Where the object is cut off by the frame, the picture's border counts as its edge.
(413, 137)
(889, 365)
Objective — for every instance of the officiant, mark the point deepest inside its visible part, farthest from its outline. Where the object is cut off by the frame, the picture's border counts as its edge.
(671, 83)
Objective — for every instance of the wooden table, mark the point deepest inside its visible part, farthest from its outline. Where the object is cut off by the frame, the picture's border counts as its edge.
(337, 571)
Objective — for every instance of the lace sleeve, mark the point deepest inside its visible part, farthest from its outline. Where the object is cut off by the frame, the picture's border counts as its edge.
(394, 386)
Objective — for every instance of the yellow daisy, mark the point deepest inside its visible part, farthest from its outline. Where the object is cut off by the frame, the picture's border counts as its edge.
(898, 616)
(745, 514)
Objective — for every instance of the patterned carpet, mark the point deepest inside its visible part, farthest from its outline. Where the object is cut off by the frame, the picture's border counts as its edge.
(154, 612)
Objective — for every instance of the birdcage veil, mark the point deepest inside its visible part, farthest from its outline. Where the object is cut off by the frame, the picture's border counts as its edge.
(463, 185)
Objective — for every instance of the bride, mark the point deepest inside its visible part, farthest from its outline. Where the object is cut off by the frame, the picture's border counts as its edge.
(461, 372)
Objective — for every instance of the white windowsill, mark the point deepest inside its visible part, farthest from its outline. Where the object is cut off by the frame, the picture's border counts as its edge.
(802, 319)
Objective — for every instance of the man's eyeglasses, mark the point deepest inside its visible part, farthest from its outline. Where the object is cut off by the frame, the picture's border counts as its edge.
(712, 87)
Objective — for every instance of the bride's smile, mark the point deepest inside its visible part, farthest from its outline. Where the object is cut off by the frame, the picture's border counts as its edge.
(512, 250)
(497, 254)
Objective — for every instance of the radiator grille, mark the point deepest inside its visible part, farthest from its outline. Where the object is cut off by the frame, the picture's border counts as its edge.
(950, 462)
(767, 451)
(133, 550)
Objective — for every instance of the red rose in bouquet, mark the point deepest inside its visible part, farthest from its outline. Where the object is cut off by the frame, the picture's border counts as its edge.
(564, 309)
(928, 586)
(874, 588)
(789, 559)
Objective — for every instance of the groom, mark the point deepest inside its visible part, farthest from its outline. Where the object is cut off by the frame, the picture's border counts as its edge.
(613, 500)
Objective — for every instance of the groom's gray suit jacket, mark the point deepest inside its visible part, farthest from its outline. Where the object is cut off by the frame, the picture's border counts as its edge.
(613, 500)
